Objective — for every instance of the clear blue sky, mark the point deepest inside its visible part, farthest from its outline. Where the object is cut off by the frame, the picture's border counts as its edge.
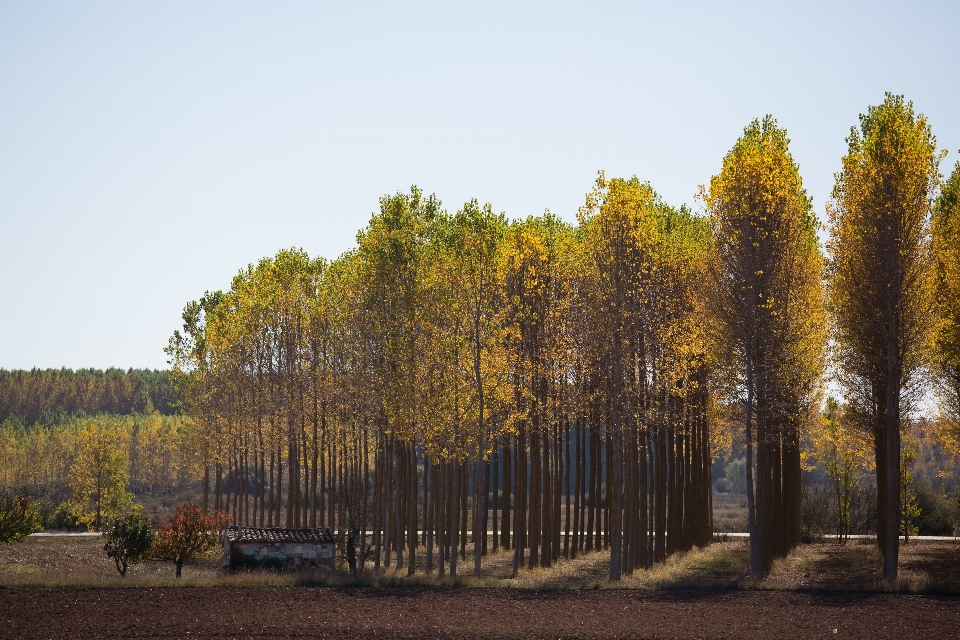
(149, 150)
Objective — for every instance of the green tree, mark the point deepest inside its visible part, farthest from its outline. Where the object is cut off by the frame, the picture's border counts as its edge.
(909, 503)
(98, 476)
(18, 518)
(129, 540)
(880, 282)
(479, 237)
(843, 450)
(194, 380)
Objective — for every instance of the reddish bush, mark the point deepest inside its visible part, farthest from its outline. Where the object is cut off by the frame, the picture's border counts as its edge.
(190, 532)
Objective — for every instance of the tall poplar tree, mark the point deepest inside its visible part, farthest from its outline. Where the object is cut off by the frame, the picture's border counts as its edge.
(765, 294)
(880, 276)
(392, 252)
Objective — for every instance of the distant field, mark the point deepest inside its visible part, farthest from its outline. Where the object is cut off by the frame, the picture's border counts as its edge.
(729, 512)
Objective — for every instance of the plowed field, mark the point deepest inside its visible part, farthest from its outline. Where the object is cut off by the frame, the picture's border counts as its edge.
(299, 612)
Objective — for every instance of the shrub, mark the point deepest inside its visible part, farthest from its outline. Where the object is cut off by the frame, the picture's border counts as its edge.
(18, 518)
(937, 511)
(129, 540)
(62, 518)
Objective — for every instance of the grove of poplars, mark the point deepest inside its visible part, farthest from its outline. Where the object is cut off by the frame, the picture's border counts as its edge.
(529, 385)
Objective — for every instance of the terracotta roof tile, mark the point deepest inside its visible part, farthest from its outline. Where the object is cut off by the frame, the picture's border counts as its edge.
(272, 535)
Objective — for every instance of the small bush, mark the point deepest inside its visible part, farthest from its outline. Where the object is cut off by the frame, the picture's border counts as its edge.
(18, 518)
(129, 540)
(60, 517)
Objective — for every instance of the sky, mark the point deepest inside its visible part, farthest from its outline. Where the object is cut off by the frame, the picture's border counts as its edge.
(151, 150)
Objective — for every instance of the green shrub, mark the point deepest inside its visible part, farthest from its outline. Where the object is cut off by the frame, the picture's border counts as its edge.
(937, 511)
(62, 518)
(18, 518)
(129, 540)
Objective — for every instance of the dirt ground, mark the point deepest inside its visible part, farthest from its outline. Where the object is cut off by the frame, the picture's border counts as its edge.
(66, 587)
(295, 612)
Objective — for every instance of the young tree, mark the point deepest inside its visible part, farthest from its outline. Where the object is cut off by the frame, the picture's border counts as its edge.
(909, 503)
(190, 532)
(18, 518)
(98, 476)
(880, 276)
(843, 450)
(129, 540)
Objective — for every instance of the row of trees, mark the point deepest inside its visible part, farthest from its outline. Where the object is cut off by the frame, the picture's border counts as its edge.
(94, 464)
(47, 396)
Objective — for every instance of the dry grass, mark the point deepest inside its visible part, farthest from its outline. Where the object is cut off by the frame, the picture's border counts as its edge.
(925, 567)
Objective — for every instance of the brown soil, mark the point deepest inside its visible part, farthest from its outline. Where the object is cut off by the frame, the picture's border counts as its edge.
(293, 612)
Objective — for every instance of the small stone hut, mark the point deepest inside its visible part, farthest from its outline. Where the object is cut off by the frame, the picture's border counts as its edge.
(276, 548)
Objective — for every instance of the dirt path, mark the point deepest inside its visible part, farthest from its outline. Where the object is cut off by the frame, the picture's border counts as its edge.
(276, 612)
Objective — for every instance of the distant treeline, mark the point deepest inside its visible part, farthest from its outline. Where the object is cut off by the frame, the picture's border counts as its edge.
(48, 395)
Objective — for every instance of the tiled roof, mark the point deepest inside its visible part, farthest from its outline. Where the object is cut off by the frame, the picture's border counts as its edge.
(272, 535)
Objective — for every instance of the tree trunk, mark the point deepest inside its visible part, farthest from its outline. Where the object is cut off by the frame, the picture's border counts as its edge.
(892, 489)
(755, 572)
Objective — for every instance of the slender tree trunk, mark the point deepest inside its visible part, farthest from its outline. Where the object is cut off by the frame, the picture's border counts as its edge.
(429, 506)
(566, 476)
(506, 504)
(495, 467)
(456, 482)
(534, 494)
(464, 507)
(755, 571)
(594, 488)
(412, 492)
(892, 487)
(206, 487)
(520, 510)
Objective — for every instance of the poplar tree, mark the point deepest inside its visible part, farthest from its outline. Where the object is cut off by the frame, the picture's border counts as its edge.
(765, 295)
(945, 351)
(192, 377)
(394, 272)
(880, 277)
(620, 236)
